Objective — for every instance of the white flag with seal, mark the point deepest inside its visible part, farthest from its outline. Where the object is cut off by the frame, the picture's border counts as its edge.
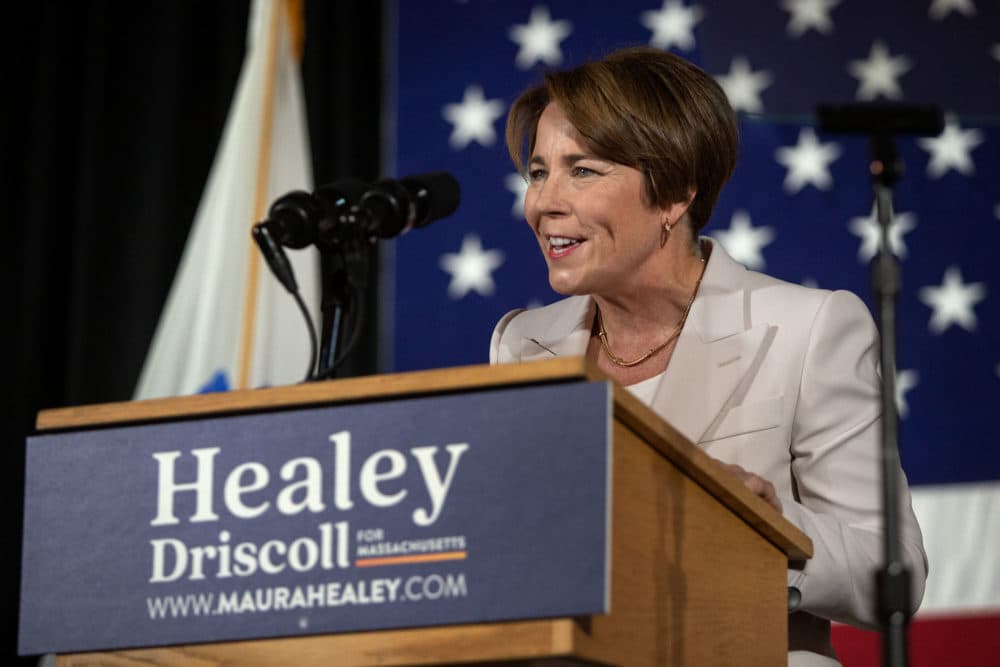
(227, 322)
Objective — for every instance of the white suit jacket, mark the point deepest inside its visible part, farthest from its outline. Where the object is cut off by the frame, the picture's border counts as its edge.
(782, 380)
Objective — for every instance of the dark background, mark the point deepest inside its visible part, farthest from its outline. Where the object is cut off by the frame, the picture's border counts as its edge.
(111, 115)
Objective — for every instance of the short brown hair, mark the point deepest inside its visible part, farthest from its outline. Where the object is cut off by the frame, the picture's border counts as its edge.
(646, 109)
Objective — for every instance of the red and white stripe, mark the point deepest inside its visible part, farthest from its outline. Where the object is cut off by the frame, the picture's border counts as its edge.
(959, 620)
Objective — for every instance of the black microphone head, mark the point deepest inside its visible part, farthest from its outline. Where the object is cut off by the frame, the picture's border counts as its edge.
(394, 207)
(436, 195)
(294, 216)
(879, 118)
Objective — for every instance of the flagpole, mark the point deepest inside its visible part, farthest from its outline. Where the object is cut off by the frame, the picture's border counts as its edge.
(260, 196)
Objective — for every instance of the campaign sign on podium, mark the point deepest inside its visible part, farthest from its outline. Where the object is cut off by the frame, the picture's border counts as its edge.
(467, 508)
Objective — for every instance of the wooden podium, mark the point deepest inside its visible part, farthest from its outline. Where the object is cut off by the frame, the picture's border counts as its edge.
(698, 564)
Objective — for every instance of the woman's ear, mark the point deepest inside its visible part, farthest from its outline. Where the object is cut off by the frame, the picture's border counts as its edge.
(672, 213)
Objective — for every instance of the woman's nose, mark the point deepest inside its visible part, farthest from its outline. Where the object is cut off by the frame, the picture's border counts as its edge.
(545, 197)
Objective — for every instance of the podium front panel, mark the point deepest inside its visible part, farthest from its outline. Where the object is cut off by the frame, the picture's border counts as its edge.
(450, 509)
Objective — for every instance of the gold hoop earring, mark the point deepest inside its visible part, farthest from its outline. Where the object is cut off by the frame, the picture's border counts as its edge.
(665, 232)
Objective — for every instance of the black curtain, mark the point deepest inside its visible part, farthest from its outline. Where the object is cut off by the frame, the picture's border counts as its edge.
(111, 115)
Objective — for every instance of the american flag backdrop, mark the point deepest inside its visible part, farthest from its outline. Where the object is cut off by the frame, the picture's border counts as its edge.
(799, 207)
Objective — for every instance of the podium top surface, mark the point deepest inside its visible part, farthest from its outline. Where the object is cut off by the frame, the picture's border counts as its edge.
(368, 388)
(630, 411)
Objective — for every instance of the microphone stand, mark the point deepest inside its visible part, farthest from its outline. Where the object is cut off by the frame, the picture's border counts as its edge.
(345, 255)
(336, 307)
(893, 579)
(881, 123)
(345, 234)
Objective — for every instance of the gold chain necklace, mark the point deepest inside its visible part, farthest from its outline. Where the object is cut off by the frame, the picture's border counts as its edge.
(617, 361)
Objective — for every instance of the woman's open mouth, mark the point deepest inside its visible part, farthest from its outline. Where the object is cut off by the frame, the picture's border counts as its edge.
(560, 246)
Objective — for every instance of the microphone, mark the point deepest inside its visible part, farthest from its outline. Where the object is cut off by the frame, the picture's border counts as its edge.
(392, 208)
(290, 223)
(291, 220)
(344, 219)
(334, 211)
(880, 119)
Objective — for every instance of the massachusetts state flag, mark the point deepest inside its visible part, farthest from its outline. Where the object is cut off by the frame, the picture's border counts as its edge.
(800, 207)
(227, 323)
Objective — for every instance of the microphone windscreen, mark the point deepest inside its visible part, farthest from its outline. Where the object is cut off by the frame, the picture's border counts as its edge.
(879, 119)
(437, 194)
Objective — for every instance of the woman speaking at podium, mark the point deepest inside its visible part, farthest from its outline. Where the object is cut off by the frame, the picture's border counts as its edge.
(625, 158)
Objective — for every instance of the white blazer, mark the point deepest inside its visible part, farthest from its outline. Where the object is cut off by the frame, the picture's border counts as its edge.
(782, 380)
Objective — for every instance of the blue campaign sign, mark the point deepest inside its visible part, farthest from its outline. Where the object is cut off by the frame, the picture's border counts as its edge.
(469, 508)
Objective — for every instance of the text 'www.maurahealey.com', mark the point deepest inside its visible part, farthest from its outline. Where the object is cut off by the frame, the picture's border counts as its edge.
(416, 588)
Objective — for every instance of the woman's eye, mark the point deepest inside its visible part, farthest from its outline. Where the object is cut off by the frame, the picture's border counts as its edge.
(536, 174)
(583, 171)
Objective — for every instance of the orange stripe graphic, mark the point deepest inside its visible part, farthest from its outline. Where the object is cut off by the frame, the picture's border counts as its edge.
(421, 558)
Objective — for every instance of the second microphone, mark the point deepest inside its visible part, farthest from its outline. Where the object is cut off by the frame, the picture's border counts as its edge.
(350, 207)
